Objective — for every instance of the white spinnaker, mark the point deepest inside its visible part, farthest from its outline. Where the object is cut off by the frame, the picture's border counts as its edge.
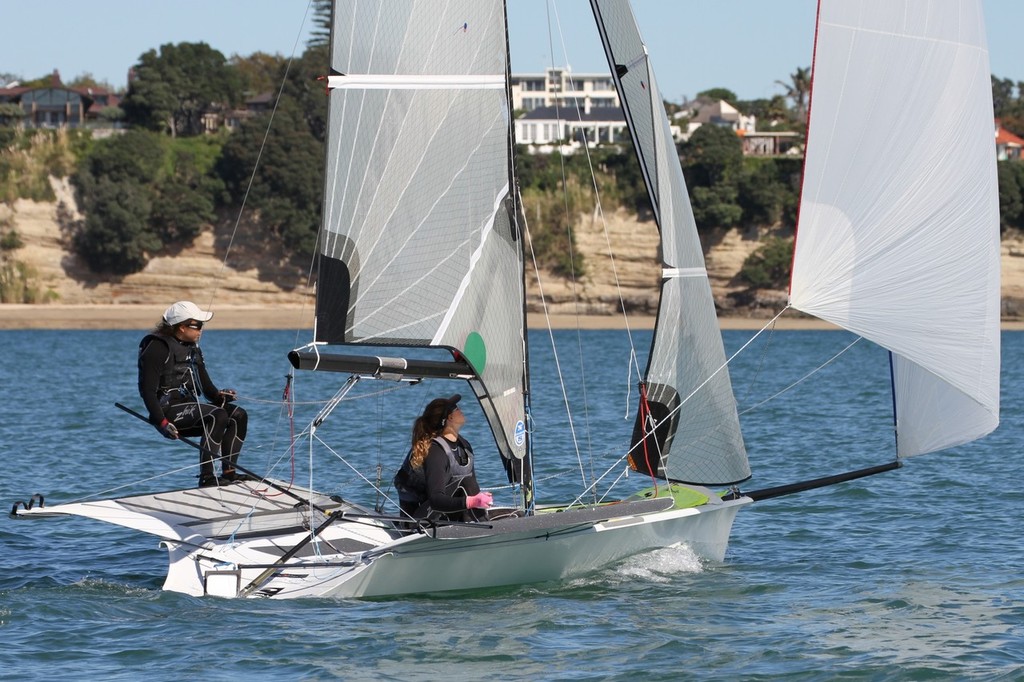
(898, 237)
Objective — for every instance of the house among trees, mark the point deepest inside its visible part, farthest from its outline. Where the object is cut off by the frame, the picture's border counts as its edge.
(57, 105)
(560, 87)
(547, 127)
(1008, 145)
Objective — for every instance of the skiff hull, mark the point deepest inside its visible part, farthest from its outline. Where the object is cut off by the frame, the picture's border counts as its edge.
(251, 540)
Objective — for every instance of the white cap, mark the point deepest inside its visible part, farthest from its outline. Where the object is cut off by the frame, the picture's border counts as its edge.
(185, 310)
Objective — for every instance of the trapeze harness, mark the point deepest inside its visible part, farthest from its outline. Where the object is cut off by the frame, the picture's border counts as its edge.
(411, 482)
(179, 375)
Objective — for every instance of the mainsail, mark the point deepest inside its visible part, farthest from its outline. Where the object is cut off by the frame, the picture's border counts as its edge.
(687, 391)
(898, 236)
(420, 243)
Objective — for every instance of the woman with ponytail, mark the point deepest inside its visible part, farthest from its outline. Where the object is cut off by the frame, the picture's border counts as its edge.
(437, 480)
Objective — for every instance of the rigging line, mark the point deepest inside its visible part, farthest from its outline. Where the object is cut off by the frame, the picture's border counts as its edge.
(252, 177)
(625, 473)
(598, 207)
(711, 376)
(106, 493)
(572, 254)
(356, 471)
(554, 353)
(372, 394)
(805, 377)
(760, 364)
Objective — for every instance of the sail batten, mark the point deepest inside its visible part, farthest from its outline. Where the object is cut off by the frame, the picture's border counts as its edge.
(898, 235)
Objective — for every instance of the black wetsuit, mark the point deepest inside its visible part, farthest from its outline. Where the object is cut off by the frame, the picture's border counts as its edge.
(172, 375)
(439, 489)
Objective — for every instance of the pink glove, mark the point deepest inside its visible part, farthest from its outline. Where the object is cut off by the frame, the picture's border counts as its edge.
(479, 501)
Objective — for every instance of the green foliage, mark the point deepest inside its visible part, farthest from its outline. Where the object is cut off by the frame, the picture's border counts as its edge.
(172, 89)
(136, 156)
(30, 158)
(321, 33)
(141, 193)
(10, 114)
(712, 156)
(18, 284)
(184, 200)
(798, 91)
(116, 237)
(712, 162)
(550, 217)
(773, 113)
(720, 93)
(762, 194)
(259, 72)
(11, 240)
(286, 190)
(1011, 195)
(716, 206)
(769, 266)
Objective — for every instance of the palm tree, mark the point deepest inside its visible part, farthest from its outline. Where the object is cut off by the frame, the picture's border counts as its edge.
(797, 91)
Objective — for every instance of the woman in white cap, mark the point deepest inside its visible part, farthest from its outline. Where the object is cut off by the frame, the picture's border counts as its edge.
(172, 376)
(437, 479)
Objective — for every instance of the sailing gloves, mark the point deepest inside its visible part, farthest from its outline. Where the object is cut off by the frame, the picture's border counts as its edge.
(168, 430)
(479, 501)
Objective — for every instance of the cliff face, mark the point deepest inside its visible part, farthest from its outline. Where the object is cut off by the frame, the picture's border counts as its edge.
(251, 277)
(197, 272)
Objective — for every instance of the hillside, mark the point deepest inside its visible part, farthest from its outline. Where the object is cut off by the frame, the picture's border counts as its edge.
(251, 278)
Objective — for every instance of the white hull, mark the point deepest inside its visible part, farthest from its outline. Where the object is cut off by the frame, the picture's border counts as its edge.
(422, 563)
(253, 540)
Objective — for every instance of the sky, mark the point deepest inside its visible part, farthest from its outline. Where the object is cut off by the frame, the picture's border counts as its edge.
(743, 45)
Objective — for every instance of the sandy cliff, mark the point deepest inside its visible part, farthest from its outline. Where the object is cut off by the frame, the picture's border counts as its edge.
(628, 281)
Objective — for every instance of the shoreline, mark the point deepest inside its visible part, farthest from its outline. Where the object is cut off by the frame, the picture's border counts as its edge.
(144, 316)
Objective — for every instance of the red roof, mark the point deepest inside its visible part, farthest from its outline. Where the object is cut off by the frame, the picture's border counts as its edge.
(1004, 136)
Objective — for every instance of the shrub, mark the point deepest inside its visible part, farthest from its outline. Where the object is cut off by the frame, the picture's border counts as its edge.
(770, 265)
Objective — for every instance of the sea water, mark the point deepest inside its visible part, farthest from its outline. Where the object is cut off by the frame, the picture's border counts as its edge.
(912, 574)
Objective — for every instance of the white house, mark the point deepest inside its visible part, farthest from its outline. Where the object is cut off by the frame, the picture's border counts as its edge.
(562, 88)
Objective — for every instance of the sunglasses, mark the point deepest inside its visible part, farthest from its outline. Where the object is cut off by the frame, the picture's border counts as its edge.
(193, 324)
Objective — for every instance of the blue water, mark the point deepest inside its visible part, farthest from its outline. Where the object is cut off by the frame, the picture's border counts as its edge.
(913, 574)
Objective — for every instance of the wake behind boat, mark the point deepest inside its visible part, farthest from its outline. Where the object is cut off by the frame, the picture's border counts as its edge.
(422, 247)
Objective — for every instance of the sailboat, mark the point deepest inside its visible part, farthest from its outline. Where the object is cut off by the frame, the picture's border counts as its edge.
(422, 248)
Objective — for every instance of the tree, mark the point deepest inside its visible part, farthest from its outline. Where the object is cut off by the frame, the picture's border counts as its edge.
(87, 80)
(172, 89)
(321, 35)
(762, 195)
(712, 161)
(288, 180)
(115, 237)
(259, 72)
(715, 206)
(1011, 200)
(184, 200)
(797, 91)
(720, 93)
(713, 155)
(10, 114)
(137, 199)
(772, 112)
(136, 156)
(770, 265)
